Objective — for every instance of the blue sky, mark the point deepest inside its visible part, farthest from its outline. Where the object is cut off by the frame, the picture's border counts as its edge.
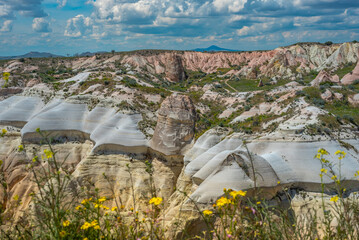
(75, 26)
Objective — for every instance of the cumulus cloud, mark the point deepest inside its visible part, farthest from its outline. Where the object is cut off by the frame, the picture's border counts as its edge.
(27, 8)
(7, 26)
(78, 26)
(41, 25)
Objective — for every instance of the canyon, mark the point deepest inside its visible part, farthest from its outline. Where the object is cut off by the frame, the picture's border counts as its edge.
(203, 120)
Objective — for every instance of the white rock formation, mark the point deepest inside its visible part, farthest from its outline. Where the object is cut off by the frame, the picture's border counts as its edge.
(228, 164)
(109, 130)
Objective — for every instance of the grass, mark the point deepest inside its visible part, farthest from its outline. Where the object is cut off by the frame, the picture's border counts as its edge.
(248, 85)
(345, 70)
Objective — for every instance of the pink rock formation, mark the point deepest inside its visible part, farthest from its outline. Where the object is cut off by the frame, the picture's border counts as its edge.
(327, 95)
(354, 100)
(324, 77)
(351, 77)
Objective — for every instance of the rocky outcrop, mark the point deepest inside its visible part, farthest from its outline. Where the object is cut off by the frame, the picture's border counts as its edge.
(175, 125)
(69, 121)
(229, 164)
(286, 62)
(324, 77)
(174, 69)
(354, 100)
(351, 77)
(327, 95)
(10, 91)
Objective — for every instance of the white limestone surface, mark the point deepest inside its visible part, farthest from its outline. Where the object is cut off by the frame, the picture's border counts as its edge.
(81, 77)
(275, 163)
(17, 110)
(110, 131)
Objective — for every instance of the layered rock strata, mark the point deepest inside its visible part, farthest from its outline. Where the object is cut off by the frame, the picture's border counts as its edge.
(175, 125)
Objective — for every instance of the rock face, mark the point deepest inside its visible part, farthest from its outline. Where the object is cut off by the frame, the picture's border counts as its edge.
(174, 69)
(324, 77)
(175, 125)
(228, 164)
(65, 120)
(327, 95)
(351, 77)
(354, 99)
(275, 63)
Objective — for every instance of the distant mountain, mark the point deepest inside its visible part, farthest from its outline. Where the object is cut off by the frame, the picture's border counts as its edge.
(88, 54)
(32, 55)
(214, 48)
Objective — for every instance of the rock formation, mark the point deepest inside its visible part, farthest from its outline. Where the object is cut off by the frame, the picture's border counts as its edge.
(324, 77)
(351, 77)
(175, 125)
(174, 69)
(354, 100)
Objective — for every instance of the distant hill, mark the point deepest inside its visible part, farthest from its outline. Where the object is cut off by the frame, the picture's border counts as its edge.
(32, 55)
(214, 48)
(88, 54)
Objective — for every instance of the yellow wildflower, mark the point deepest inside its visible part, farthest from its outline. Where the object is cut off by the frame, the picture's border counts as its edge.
(85, 226)
(278, 182)
(48, 153)
(323, 151)
(6, 74)
(334, 177)
(16, 197)
(62, 233)
(223, 201)
(114, 209)
(356, 174)
(105, 207)
(334, 199)
(122, 206)
(86, 201)
(100, 200)
(207, 212)
(66, 223)
(79, 207)
(85, 239)
(323, 170)
(1, 162)
(21, 148)
(4, 131)
(318, 156)
(156, 201)
(35, 159)
(258, 203)
(234, 194)
(97, 227)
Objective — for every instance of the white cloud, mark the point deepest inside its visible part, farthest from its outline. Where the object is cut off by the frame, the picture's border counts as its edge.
(7, 26)
(41, 25)
(78, 26)
(243, 31)
(27, 8)
(61, 3)
(229, 6)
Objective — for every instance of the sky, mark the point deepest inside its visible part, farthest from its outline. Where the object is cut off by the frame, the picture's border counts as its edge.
(76, 26)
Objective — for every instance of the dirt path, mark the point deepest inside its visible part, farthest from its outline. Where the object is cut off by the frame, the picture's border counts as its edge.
(226, 82)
